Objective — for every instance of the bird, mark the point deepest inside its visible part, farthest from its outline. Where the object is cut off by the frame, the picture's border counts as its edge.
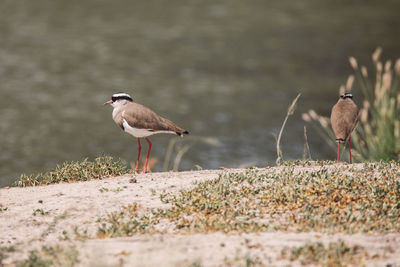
(140, 122)
(344, 118)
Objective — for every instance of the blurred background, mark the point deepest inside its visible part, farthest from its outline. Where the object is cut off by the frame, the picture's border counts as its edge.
(224, 69)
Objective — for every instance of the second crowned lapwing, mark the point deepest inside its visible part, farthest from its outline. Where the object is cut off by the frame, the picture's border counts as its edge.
(344, 118)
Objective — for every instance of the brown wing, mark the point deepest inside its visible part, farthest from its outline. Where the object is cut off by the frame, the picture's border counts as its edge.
(352, 116)
(141, 117)
(344, 118)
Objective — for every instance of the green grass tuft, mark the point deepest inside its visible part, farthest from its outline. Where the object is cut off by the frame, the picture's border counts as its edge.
(68, 172)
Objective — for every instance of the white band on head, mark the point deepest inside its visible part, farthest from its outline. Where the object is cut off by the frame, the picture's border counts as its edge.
(121, 95)
(346, 95)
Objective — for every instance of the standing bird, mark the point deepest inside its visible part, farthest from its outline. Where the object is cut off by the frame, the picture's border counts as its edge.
(344, 118)
(140, 121)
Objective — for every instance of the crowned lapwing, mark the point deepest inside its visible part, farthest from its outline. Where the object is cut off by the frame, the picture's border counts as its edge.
(344, 118)
(140, 121)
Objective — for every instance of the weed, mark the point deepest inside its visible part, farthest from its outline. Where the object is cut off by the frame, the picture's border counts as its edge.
(53, 224)
(64, 237)
(127, 222)
(196, 263)
(306, 149)
(75, 171)
(80, 234)
(290, 112)
(197, 167)
(335, 254)
(4, 251)
(39, 211)
(3, 209)
(115, 190)
(51, 256)
(153, 191)
(250, 261)
(247, 261)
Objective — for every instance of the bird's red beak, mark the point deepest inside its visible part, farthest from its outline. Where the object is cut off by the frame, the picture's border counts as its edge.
(108, 102)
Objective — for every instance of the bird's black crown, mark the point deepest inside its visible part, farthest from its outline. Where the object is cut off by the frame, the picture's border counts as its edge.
(118, 96)
(346, 95)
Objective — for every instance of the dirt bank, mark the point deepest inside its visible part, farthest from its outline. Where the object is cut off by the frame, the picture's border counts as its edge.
(32, 217)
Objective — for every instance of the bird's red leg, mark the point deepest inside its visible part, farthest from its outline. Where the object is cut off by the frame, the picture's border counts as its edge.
(138, 156)
(350, 148)
(148, 154)
(338, 151)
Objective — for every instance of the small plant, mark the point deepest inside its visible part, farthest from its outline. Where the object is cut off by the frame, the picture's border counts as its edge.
(153, 191)
(51, 256)
(103, 189)
(3, 208)
(197, 167)
(64, 237)
(290, 112)
(39, 211)
(377, 136)
(116, 190)
(247, 261)
(80, 234)
(335, 254)
(250, 261)
(196, 263)
(68, 172)
(4, 251)
(127, 222)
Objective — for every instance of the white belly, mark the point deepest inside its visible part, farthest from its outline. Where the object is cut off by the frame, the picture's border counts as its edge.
(141, 132)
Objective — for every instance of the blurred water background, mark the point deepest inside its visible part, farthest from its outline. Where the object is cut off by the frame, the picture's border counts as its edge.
(226, 69)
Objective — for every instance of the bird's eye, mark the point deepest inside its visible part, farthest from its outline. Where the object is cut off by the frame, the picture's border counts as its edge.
(113, 99)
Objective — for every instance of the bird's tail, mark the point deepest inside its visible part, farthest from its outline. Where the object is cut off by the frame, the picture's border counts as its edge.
(182, 133)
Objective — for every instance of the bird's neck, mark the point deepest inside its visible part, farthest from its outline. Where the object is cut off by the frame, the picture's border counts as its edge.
(117, 110)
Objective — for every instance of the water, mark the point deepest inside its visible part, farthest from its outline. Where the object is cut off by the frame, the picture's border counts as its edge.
(223, 69)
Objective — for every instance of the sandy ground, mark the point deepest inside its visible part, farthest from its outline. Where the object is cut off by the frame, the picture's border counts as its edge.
(81, 204)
